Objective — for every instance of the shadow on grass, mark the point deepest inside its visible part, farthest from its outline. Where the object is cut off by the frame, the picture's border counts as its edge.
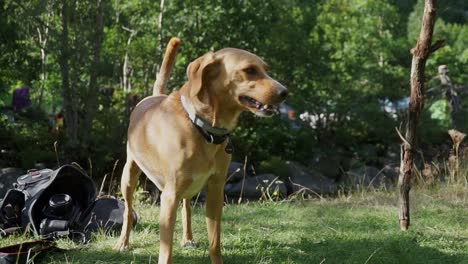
(153, 226)
(352, 251)
(388, 250)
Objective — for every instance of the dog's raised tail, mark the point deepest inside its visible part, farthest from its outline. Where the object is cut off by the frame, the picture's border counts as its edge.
(159, 86)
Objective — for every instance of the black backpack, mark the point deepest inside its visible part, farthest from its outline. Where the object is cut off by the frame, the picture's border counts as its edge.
(58, 203)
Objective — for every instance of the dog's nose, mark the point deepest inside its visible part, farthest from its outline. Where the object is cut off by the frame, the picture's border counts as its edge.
(283, 92)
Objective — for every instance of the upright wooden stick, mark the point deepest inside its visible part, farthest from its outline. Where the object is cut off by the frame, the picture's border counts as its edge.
(420, 54)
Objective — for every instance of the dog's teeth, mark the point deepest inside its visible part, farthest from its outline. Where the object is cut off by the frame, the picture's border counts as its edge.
(268, 107)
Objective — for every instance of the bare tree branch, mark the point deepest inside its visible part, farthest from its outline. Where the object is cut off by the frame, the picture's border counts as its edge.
(420, 52)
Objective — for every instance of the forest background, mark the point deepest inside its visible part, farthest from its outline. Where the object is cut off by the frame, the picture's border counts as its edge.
(346, 63)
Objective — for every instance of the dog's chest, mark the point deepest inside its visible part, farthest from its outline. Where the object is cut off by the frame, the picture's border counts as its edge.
(199, 180)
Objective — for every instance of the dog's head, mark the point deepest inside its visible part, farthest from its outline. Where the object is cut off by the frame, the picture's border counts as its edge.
(237, 79)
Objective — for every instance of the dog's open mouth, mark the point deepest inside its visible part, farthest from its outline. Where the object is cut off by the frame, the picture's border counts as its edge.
(257, 107)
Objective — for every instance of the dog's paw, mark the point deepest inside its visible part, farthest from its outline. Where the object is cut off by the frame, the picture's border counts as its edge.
(189, 244)
(121, 247)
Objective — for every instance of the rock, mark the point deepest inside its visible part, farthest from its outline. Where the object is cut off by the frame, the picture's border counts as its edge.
(390, 157)
(236, 172)
(40, 166)
(253, 188)
(392, 171)
(368, 152)
(302, 179)
(8, 176)
(368, 176)
(328, 166)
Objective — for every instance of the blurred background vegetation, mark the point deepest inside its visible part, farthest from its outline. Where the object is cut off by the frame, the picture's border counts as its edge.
(345, 62)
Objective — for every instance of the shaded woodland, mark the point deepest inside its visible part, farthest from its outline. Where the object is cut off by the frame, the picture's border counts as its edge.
(71, 72)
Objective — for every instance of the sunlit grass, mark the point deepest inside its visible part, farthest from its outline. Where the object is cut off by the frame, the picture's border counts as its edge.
(356, 228)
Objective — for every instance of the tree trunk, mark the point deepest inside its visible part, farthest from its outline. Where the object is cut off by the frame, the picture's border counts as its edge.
(43, 68)
(159, 52)
(64, 57)
(43, 36)
(94, 70)
(420, 54)
(126, 72)
(146, 78)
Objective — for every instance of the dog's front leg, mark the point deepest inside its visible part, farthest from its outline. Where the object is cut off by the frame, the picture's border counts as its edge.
(170, 198)
(214, 208)
(167, 218)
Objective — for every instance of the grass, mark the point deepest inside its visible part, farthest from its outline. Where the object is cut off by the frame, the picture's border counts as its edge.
(358, 228)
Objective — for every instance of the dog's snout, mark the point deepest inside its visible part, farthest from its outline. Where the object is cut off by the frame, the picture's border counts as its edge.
(282, 92)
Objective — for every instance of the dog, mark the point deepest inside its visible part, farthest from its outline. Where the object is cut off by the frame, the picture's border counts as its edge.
(181, 140)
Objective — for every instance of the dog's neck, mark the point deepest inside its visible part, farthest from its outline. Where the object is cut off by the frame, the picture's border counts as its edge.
(214, 109)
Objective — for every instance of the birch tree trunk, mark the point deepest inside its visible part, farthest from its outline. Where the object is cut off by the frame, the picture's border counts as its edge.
(126, 72)
(43, 38)
(420, 54)
(160, 44)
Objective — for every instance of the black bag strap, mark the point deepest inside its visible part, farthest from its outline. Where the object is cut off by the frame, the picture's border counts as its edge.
(25, 252)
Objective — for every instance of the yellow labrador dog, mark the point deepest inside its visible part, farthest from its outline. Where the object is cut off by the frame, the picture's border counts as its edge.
(180, 141)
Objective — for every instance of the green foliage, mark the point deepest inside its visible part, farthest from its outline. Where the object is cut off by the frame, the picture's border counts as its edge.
(450, 27)
(439, 112)
(17, 63)
(275, 164)
(261, 138)
(109, 132)
(339, 59)
(26, 139)
(359, 68)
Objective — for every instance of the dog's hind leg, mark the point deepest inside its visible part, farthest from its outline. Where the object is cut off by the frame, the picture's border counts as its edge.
(130, 175)
(187, 236)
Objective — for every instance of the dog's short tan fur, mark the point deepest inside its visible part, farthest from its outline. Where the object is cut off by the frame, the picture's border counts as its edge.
(165, 145)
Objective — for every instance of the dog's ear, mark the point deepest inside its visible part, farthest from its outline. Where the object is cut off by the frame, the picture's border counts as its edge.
(201, 71)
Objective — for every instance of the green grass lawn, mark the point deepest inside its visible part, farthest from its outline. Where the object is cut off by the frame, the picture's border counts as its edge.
(358, 228)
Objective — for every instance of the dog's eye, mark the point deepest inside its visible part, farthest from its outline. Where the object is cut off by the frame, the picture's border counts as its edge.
(250, 71)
